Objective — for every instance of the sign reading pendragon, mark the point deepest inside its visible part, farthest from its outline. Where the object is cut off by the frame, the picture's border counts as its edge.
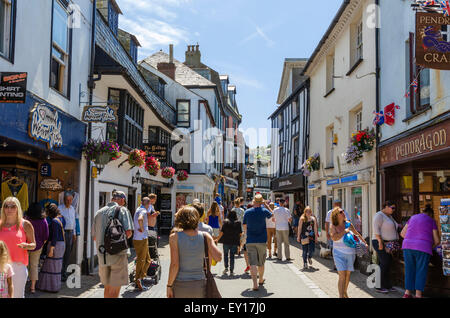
(99, 114)
(432, 51)
(45, 126)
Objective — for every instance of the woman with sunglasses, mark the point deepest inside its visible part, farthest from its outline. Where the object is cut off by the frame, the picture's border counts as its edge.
(18, 234)
(343, 255)
(385, 230)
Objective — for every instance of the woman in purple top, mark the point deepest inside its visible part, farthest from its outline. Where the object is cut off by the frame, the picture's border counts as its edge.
(36, 216)
(420, 236)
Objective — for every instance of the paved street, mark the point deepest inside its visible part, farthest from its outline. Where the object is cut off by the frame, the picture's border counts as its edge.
(283, 280)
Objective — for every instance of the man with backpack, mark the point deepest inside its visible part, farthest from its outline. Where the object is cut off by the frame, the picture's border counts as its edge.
(111, 228)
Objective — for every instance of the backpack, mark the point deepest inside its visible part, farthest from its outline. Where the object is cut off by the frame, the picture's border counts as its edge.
(115, 240)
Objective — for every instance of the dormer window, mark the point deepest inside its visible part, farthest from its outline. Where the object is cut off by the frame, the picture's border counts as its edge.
(133, 51)
(113, 17)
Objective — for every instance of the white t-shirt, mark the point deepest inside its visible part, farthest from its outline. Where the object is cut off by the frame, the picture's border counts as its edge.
(328, 218)
(270, 224)
(282, 216)
(139, 236)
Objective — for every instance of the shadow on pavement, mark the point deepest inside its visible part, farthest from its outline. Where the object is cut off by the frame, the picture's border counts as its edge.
(261, 293)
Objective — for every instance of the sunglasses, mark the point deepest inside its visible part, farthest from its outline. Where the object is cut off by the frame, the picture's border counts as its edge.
(341, 212)
(10, 206)
(393, 207)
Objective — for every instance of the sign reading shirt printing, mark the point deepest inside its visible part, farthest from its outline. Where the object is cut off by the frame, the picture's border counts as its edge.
(45, 126)
(429, 141)
(13, 87)
(432, 51)
(159, 151)
(99, 114)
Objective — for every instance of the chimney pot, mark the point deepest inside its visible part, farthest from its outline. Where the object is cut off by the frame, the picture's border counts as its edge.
(171, 53)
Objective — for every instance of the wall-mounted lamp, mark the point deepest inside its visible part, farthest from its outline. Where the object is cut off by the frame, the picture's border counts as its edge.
(4, 144)
(136, 178)
(30, 152)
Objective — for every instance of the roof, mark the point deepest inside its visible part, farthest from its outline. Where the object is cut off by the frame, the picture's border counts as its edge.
(224, 77)
(335, 21)
(132, 36)
(289, 64)
(116, 6)
(183, 74)
(302, 86)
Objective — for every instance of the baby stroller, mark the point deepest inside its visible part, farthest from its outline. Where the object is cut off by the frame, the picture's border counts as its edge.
(154, 270)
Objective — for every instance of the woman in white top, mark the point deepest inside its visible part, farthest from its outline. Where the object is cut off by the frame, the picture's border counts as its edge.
(344, 256)
(271, 233)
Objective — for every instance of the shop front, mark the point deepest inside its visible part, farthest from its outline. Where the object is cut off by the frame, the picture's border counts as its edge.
(415, 172)
(40, 153)
(231, 191)
(290, 188)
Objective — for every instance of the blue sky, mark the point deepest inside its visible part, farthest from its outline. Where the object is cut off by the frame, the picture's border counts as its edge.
(246, 39)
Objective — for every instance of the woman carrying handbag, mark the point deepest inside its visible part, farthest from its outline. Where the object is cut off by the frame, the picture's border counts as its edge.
(307, 236)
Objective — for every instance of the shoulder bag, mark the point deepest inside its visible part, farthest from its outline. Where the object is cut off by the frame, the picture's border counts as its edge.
(392, 246)
(211, 288)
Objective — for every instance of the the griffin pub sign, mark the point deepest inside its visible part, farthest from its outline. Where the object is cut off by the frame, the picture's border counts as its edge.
(432, 50)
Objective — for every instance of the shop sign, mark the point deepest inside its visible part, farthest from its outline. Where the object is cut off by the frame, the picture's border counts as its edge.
(349, 179)
(432, 51)
(46, 170)
(99, 114)
(51, 185)
(13, 87)
(333, 182)
(45, 126)
(166, 201)
(288, 183)
(431, 140)
(183, 187)
(159, 151)
(231, 183)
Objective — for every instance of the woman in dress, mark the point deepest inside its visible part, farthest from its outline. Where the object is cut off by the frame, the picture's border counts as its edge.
(50, 275)
(36, 216)
(18, 234)
(187, 252)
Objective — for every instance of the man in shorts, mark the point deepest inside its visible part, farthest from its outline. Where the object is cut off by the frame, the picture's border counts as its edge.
(114, 273)
(255, 229)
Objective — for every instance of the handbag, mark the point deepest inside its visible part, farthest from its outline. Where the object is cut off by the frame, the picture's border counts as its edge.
(305, 241)
(211, 288)
(392, 246)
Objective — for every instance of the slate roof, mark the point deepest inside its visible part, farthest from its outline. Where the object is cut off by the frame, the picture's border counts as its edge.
(183, 74)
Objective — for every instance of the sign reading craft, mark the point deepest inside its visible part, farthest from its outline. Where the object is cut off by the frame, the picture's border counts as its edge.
(99, 114)
(431, 49)
(13, 87)
(428, 141)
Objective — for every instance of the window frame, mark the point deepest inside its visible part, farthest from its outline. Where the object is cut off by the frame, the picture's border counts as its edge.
(188, 122)
(358, 120)
(330, 74)
(10, 45)
(64, 82)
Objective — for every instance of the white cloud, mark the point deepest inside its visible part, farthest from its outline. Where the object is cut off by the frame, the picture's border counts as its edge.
(161, 8)
(245, 81)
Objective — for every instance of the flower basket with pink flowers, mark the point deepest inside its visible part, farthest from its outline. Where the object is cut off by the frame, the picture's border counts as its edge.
(136, 158)
(152, 165)
(182, 175)
(168, 172)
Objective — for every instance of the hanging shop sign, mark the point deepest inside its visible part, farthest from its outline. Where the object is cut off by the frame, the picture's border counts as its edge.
(333, 182)
(100, 114)
(349, 179)
(51, 185)
(159, 151)
(231, 183)
(429, 141)
(432, 51)
(46, 170)
(45, 126)
(13, 87)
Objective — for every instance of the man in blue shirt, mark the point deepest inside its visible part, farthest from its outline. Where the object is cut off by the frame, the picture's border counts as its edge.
(255, 228)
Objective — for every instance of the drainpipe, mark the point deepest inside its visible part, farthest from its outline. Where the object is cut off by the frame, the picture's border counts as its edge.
(89, 135)
(377, 128)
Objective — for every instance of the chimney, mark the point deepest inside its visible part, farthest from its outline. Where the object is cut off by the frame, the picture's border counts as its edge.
(168, 68)
(193, 56)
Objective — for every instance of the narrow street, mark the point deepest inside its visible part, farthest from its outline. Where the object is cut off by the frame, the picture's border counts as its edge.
(283, 280)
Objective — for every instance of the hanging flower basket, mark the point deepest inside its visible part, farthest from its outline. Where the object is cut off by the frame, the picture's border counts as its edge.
(311, 164)
(182, 175)
(101, 152)
(136, 158)
(361, 142)
(152, 165)
(168, 172)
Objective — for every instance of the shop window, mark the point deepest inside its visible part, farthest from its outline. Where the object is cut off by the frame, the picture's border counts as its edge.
(60, 57)
(6, 28)
(356, 208)
(183, 113)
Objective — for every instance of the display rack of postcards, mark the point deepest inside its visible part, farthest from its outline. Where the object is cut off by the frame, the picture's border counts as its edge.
(445, 234)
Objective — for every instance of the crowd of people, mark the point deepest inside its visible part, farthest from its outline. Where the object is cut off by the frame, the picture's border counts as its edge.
(43, 238)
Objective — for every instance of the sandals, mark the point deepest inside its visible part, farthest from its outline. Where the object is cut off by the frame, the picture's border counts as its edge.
(262, 283)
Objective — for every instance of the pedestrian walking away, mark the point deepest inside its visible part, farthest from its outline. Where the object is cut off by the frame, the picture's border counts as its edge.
(50, 274)
(282, 220)
(113, 269)
(344, 255)
(308, 235)
(140, 243)
(187, 252)
(71, 231)
(240, 216)
(385, 234)
(36, 216)
(230, 237)
(271, 232)
(420, 235)
(18, 235)
(255, 229)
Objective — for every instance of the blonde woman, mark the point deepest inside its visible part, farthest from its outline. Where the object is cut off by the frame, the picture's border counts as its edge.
(307, 235)
(344, 256)
(214, 219)
(18, 234)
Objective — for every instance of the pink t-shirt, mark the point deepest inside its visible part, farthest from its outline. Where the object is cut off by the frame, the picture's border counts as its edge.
(419, 235)
(7, 273)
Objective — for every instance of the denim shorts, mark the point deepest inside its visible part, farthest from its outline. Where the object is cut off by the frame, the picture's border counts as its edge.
(344, 262)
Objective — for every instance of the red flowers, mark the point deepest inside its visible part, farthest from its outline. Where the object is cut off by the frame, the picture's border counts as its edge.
(152, 165)
(136, 158)
(182, 175)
